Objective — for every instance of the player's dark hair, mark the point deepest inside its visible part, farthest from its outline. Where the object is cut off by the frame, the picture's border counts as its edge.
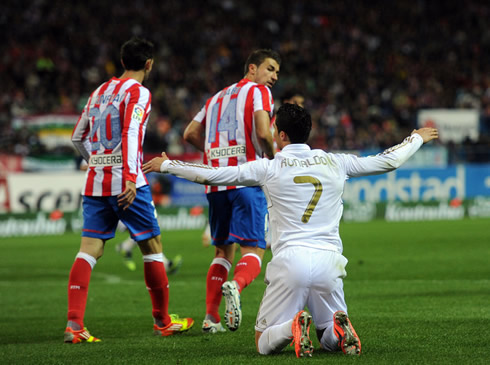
(290, 93)
(258, 56)
(295, 121)
(135, 53)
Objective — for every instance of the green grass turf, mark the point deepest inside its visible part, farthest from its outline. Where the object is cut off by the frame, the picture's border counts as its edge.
(418, 293)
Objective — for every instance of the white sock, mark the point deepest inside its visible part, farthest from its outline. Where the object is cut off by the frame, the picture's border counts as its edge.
(275, 338)
(166, 261)
(254, 255)
(153, 257)
(85, 256)
(223, 262)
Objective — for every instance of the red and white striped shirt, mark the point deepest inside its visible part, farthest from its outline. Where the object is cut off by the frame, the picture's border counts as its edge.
(228, 119)
(110, 133)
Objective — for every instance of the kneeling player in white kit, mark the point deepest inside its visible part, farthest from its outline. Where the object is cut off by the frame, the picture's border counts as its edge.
(304, 193)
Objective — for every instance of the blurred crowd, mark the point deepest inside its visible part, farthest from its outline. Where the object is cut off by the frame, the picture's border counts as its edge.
(365, 67)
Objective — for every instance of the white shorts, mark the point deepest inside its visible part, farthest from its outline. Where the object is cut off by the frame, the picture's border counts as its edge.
(301, 276)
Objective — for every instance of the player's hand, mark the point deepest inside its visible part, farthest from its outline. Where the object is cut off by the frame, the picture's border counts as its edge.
(154, 164)
(83, 166)
(126, 198)
(427, 134)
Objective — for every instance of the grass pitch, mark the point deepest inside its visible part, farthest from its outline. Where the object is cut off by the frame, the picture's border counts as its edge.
(417, 293)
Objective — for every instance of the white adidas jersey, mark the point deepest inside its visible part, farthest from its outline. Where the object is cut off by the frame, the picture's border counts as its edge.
(303, 187)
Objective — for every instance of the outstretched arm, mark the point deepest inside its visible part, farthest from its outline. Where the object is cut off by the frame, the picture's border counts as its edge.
(250, 174)
(427, 134)
(155, 164)
(390, 159)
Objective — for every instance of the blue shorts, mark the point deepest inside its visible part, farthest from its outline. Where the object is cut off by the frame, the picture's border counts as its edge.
(238, 216)
(101, 215)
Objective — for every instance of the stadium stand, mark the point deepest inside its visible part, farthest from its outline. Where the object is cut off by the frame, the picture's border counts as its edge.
(366, 68)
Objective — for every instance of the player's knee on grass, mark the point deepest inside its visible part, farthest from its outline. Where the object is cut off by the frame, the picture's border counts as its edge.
(328, 340)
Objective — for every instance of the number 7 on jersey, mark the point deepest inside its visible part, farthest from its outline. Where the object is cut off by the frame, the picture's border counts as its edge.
(314, 199)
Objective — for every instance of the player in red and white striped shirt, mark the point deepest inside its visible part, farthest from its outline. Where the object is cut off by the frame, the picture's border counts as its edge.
(109, 136)
(231, 129)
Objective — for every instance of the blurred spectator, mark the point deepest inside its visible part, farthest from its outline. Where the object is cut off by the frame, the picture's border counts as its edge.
(364, 67)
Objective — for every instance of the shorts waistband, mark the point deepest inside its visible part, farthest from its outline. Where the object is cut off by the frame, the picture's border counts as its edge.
(325, 246)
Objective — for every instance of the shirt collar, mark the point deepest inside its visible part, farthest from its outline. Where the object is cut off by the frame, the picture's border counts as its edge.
(297, 147)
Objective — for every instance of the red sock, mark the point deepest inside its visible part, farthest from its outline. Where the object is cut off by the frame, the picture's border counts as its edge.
(217, 275)
(157, 284)
(246, 270)
(78, 290)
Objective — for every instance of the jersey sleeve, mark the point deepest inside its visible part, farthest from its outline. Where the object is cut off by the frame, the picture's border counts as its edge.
(136, 113)
(249, 174)
(80, 136)
(201, 115)
(263, 99)
(389, 160)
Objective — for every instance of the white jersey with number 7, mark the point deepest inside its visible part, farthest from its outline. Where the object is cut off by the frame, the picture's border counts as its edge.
(303, 187)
